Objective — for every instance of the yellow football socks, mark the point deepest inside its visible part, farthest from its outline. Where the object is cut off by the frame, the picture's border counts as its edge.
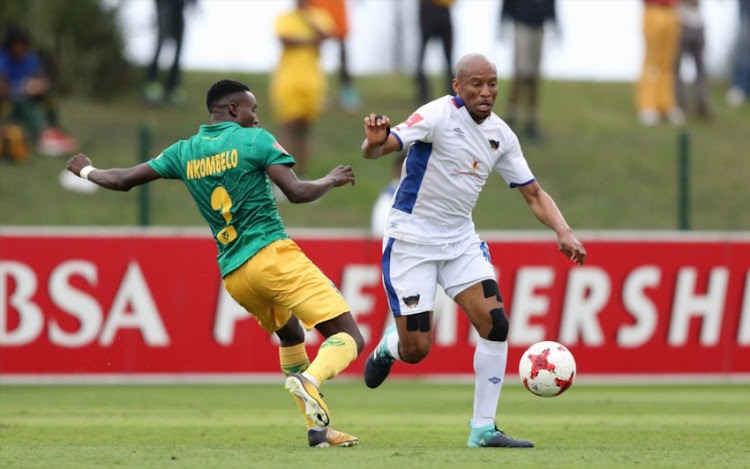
(294, 360)
(334, 355)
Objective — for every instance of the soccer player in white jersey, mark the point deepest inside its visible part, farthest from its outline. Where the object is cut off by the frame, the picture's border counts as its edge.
(454, 143)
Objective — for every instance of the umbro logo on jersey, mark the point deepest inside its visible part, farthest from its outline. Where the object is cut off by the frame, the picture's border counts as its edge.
(494, 144)
(459, 132)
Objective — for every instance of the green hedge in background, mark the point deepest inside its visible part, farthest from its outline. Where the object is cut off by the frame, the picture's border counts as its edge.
(80, 42)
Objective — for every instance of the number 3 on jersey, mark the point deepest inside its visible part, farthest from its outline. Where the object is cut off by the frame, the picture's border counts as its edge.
(220, 200)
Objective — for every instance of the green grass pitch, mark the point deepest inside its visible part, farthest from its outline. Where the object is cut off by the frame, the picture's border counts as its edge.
(407, 424)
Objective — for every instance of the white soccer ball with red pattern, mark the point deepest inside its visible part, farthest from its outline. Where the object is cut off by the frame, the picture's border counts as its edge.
(547, 369)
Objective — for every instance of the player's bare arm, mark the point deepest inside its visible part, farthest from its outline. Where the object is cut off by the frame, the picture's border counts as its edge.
(378, 139)
(117, 179)
(546, 211)
(298, 191)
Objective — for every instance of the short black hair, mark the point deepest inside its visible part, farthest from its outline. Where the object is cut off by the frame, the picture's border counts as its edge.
(16, 34)
(223, 88)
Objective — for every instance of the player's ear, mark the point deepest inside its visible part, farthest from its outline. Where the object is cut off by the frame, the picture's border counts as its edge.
(455, 85)
(233, 109)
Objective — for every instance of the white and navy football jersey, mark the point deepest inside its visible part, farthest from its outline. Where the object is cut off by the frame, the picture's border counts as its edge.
(448, 162)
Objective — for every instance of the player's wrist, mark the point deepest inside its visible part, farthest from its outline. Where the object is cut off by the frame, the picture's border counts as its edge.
(387, 134)
(85, 171)
(373, 144)
(564, 231)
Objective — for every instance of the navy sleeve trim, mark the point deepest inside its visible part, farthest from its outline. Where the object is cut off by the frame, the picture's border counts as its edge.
(400, 143)
(514, 185)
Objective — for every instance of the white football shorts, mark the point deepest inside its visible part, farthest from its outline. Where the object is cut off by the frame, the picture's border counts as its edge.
(411, 272)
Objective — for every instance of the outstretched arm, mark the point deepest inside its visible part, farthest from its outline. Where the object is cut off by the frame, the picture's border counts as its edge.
(378, 138)
(546, 211)
(117, 179)
(306, 191)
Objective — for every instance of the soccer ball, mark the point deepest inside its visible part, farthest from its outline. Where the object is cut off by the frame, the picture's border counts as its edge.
(547, 369)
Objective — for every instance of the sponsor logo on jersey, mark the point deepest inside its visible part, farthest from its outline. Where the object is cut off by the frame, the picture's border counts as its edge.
(459, 132)
(473, 172)
(494, 144)
(413, 119)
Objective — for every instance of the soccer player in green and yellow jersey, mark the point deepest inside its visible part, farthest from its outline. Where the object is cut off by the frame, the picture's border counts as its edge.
(226, 167)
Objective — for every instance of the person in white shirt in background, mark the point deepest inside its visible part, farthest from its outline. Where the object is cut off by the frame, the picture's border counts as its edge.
(382, 206)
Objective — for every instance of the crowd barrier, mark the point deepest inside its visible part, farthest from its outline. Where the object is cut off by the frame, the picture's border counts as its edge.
(150, 302)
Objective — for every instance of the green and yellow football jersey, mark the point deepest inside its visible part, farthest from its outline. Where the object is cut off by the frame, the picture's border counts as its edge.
(224, 168)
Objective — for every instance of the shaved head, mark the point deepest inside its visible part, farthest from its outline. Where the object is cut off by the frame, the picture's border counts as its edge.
(476, 85)
(469, 64)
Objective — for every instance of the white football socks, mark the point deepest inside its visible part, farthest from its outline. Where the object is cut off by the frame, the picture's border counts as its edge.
(490, 358)
(392, 345)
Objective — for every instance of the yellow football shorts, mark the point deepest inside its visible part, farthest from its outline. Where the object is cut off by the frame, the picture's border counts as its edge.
(297, 96)
(280, 280)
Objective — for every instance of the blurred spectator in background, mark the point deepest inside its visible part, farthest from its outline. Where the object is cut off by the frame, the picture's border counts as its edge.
(348, 96)
(384, 202)
(298, 84)
(740, 86)
(655, 93)
(528, 18)
(434, 22)
(28, 105)
(170, 16)
(692, 43)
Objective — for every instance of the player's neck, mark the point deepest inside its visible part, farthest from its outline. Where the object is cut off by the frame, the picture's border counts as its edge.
(476, 118)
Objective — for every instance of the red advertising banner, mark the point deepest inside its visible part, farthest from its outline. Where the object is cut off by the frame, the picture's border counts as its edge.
(98, 302)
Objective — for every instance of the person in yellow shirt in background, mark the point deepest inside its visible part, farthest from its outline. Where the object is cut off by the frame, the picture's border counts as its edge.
(298, 84)
(655, 90)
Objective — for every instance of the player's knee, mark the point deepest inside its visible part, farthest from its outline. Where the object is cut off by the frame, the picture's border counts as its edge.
(414, 347)
(292, 333)
(414, 351)
(343, 323)
(359, 341)
(500, 325)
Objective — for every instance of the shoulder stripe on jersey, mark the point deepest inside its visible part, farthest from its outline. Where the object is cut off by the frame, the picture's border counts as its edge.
(514, 185)
(458, 102)
(416, 165)
(386, 266)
